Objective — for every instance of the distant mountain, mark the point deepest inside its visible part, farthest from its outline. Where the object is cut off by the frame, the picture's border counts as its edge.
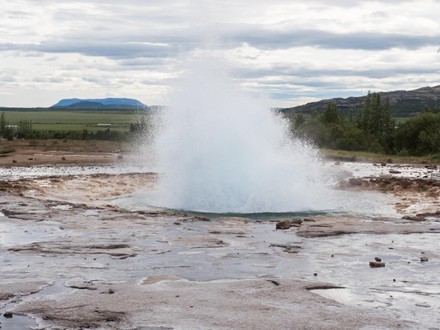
(402, 103)
(107, 103)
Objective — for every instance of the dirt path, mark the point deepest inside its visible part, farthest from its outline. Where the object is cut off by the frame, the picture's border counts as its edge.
(39, 152)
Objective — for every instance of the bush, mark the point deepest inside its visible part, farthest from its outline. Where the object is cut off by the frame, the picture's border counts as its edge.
(419, 135)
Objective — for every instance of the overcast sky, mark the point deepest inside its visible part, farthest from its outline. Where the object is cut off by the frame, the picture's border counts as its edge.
(287, 51)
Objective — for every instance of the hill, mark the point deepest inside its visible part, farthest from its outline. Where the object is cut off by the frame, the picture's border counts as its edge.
(402, 103)
(107, 103)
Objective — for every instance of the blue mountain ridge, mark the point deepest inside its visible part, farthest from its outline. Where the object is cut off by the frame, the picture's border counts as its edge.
(96, 103)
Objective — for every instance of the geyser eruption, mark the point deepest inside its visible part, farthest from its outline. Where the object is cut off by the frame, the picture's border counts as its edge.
(221, 151)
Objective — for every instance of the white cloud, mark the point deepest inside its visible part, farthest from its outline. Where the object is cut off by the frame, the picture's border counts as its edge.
(289, 50)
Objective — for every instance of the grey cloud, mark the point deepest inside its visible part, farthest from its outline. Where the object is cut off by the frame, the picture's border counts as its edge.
(284, 74)
(378, 14)
(94, 79)
(266, 39)
(17, 14)
(107, 49)
(97, 48)
(157, 42)
(354, 3)
(48, 79)
(8, 77)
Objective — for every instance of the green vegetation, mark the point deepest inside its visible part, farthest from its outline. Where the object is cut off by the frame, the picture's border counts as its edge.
(371, 129)
(77, 124)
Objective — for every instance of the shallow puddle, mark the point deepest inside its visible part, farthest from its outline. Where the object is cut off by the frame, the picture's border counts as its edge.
(406, 286)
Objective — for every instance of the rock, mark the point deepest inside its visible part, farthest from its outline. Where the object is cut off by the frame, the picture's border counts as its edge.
(287, 247)
(6, 296)
(383, 164)
(285, 224)
(8, 315)
(276, 283)
(296, 222)
(14, 161)
(423, 305)
(355, 181)
(63, 158)
(376, 264)
(418, 217)
(120, 157)
(378, 259)
(424, 259)
(394, 171)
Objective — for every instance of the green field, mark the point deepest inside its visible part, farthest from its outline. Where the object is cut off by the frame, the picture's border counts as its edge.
(50, 120)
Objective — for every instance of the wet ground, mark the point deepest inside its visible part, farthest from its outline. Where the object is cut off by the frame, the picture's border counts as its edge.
(79, 250)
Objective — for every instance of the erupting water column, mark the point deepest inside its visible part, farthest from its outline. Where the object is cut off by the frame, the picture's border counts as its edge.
(224, 152)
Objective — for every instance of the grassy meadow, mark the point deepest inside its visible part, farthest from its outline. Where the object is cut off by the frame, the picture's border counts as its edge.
(92, 120)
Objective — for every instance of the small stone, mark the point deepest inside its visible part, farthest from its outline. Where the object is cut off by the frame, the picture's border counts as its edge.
(63, 158)
(14, 161)
(424, 259)
(276, 283)
(376, 264)
(120, 157)
(378, 259)
(315, 274)
(285, 224)
(423, 305)
(8, 315)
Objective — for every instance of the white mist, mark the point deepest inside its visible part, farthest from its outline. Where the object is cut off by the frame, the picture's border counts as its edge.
(224, 152)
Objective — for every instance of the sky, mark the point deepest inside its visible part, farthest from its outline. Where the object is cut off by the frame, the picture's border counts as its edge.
(286, 51)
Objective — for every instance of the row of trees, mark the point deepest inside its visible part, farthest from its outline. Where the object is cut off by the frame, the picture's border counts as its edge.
(371, 128)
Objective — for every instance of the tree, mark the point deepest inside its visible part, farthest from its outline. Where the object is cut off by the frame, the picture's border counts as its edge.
(375, 120)
(331, 114)
(2, 124)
